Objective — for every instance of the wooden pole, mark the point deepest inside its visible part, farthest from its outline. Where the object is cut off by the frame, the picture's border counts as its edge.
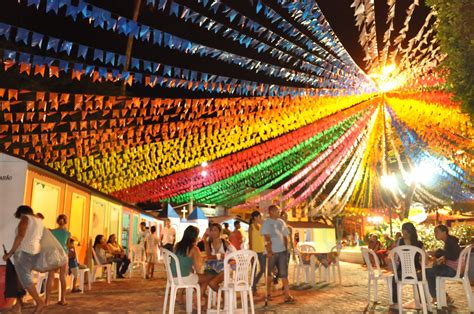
(128, 50)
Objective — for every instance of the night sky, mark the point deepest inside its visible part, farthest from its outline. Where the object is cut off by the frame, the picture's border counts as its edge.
(341, 17)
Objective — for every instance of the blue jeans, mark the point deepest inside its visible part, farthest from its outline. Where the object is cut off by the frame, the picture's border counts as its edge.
(437, 271)
(261, 270)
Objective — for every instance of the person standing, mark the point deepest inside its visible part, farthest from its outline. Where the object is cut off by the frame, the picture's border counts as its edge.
(226, 230)
(62, 235)
(236, 238)
(276, 233)
(25, 250)
(169, 236)
(152, 243)
(290, 248)
(447, 259)
(142, 235)
(257, 244)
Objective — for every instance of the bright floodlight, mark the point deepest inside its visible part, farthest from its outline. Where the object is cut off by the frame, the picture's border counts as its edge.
(423, 173)
(388, 69)
(389, 181)
(204, 164)
(204, 173)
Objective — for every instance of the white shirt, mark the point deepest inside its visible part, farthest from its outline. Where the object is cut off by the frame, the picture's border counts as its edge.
(142, 235)
(169, 235)
(152, 242)
(34, 232)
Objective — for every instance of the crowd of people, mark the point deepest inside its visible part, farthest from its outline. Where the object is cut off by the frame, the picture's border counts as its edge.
(201, 259)
(269, 238)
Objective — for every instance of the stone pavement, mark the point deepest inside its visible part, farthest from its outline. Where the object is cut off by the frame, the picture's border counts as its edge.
(138, 295)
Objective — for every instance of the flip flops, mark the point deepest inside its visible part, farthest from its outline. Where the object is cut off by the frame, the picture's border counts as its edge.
(290, 300)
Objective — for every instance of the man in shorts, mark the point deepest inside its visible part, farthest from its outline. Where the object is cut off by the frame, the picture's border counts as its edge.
(275, 232)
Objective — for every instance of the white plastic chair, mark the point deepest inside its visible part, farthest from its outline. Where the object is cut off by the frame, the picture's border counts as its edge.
(406, 255)
(175, 283)
(81, 275)
(376, 274)
(461, 276)
(137, 260)
(239, 272)
(308, 268)
(96, 265)
(334, 264)
(40, 281)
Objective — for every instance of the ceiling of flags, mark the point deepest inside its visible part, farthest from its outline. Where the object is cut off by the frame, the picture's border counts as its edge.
(262, 92)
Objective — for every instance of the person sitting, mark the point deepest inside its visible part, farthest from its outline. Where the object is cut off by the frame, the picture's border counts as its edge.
(383, 252)
(216, 248)
(102, 250)
(409, 237)
(446, 259)
(190, 261)
(120, 257)
(374, 245)
(398, 236)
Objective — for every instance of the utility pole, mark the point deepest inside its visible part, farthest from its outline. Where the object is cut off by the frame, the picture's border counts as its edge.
(128, 50)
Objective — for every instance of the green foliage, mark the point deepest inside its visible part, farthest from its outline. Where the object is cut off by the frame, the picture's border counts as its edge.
(465, 233)
(455, 32)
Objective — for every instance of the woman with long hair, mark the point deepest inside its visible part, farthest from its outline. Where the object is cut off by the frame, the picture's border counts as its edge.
(120, 258)
(102, 250)
(409, 237)
(189, 256)
(257, 244)
(216, 248)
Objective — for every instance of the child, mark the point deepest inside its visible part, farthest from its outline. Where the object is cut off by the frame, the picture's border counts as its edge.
(152, 242)
(73, 265)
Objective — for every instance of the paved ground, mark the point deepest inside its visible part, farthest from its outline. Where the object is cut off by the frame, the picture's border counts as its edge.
(138, 295)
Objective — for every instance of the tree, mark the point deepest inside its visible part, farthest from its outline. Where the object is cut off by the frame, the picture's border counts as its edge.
(455, 32)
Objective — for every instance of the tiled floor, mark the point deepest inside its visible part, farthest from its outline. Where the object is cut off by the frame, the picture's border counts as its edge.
(138, 295)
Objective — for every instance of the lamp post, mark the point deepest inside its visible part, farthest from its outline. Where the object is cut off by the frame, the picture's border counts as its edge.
(390, 182)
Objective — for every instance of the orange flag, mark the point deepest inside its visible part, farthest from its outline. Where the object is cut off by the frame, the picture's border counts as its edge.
(40, 69)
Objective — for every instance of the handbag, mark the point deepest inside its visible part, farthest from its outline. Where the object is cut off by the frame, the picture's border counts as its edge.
(13, 287)
(216, 266)
(52, 255)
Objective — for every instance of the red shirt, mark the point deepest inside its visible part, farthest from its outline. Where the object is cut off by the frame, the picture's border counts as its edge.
(236, 239)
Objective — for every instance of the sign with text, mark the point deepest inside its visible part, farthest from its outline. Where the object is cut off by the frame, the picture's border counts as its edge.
(12, 190)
